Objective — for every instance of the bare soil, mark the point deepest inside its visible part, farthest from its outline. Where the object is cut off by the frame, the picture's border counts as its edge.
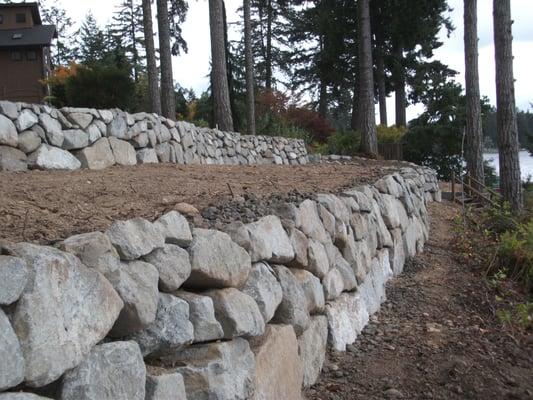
(45, 206)
(436, 337)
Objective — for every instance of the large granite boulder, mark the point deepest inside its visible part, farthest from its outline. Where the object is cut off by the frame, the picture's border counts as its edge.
(312, 288)
(312, 349)
(8, 132)
(237, 312)
(165, 386)
(123, 152)
(135, 238)
(278, 368)
(264, 288)
(26, 120)
(269, 241)
(96, 156)
(202, 316)
(112, 371)
(218, 371)
(11, 359)
(309, 221)
(75, 139)
(171, 330)
(217, 261)
(29, 141)
(173, 264)
(49, 157)
(175, 228)
(347, 316)
(64, 310)
(12, 159)
(13, 278)
(136, 283)
(293, 309)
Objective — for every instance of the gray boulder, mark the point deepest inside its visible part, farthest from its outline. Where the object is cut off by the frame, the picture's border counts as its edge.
(318, 259)
(264, 288)
(173, 265)
(312, 349)
(217, 261)
(11, 358)
(8, 132)
(237, 312)
(123, 152)
(147, 156)
(21, 396)
(136, 284)
(26, 120)
(269, 241)
(112, 371)
(171, 330)
(221, 371)
(53, 130)
(13, 278)
(299, 243)
(175, 228)
(312, 288)
(347, 316)
(95, 250)
(29, 141)
(293, 309)
(93, 133)
(239, 234)
(64, 310)
(278, 369)
(135, 238)
(167, 386)
(333, 284)
(75, 139)
(309, 221)
(12, 159)
(83, 120)
(9, 109)
(202, 316)
(335, 206)
(48, 157)
(118, 128)
(96, 156)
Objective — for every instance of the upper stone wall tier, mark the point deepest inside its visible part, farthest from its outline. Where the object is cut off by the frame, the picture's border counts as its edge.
(41, 137)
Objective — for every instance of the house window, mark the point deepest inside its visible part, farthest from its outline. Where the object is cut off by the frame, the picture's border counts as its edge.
(31, 55)
(16, 56)
(21, 18)
(1, 19)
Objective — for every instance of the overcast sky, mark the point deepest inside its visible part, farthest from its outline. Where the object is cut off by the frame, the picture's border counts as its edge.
(191, 69)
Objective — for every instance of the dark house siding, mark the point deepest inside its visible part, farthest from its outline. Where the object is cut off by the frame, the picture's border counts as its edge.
(20, 80)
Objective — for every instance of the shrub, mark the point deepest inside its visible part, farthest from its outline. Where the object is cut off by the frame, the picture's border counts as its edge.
(390, 134)
(344, 143)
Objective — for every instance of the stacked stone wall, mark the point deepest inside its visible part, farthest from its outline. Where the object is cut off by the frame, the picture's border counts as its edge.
(41, 137)
(165, 310)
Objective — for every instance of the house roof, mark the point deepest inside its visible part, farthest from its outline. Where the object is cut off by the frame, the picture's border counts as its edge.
(33, 6)
(40, 35)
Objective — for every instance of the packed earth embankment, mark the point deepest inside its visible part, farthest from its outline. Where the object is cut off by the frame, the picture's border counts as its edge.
(45, 206)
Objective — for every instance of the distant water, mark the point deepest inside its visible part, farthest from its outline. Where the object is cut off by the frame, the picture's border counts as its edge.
(526, 163)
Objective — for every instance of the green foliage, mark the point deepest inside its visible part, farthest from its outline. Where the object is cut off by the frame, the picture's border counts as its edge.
(390, 134)
(344, 143)
(100, 87)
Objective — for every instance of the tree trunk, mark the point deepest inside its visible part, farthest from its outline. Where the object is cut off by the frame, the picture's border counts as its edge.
(366, 121)
(168, 99)
(510, 184)
(474, 128)
(153, 81)
(355, 103)
(250, 100)
(135, 52)
(399, 86)
(380, 77)
(268, 60)
(221, 101)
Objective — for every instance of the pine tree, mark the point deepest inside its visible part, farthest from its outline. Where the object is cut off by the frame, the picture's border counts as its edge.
(91, 42)
(474, 128)
(126, 27)
(506, 110)
(54, 14)
(250, 99)
(168, 100)
(223, 118)
(153, 76)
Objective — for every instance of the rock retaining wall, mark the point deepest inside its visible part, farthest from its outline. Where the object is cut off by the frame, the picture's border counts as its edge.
(164, 310)
(41, 137)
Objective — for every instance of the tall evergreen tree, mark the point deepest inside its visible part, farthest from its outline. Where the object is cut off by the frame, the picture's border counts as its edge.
(168, 100)
(223, 118)
(54, 14)
(90, 42)
(474, 128)
(126, 26)
(506, 110)
(153, 77)
(366, 121)
(250, 98)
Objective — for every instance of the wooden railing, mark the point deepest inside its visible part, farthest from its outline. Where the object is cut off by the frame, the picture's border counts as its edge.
(475, 189)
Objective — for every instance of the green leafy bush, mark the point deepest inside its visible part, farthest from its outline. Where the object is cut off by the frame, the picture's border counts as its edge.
(390, 134)
(515, 252)
(344, 143)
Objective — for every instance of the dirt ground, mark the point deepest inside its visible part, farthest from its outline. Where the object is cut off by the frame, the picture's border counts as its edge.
(44, 206)
(435, 338)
